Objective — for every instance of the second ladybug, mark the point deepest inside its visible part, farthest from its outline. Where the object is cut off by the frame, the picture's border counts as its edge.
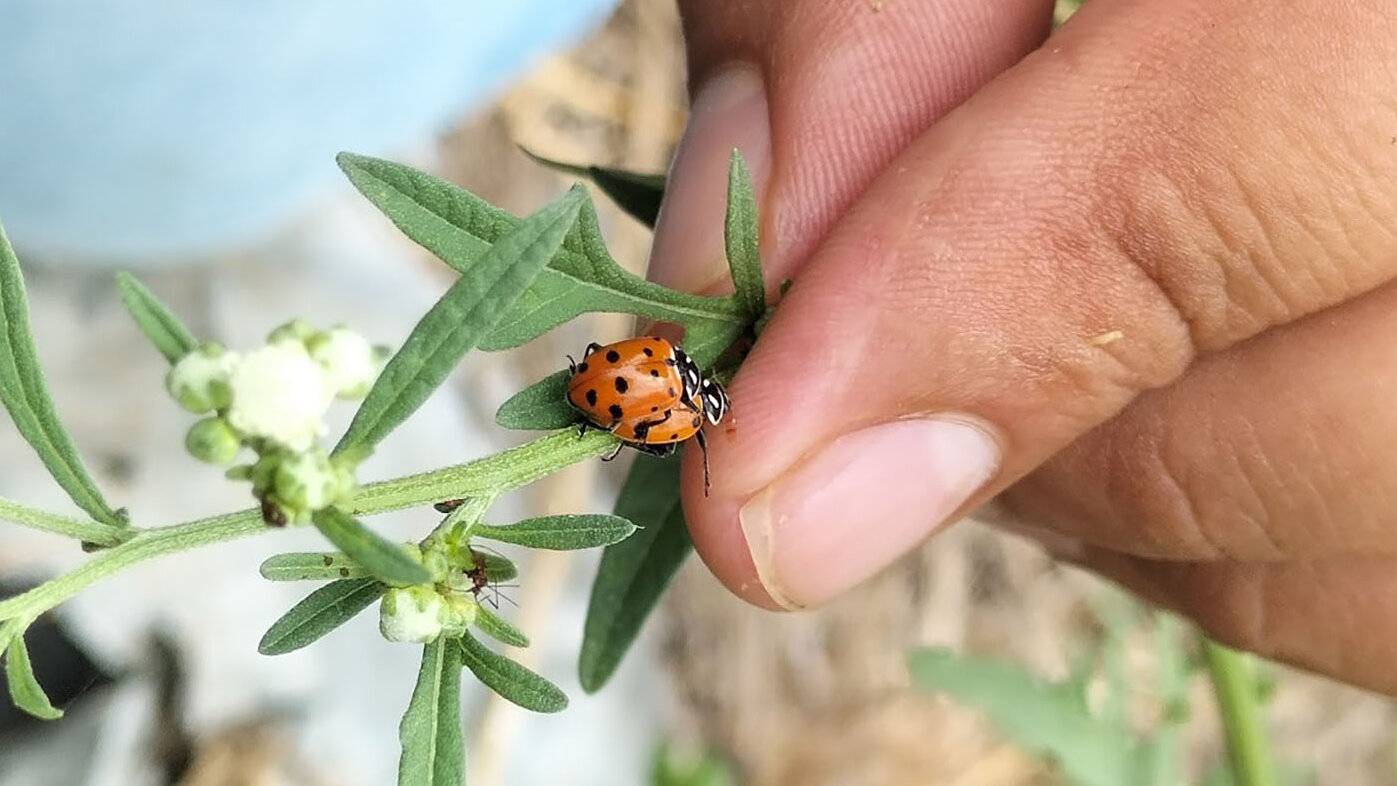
(647, 392)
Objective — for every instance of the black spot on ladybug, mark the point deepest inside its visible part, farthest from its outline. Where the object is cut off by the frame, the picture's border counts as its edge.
(642, 429)
(675, 435)
(698, 421)
(622, 385)
(612, 356)
(654, 372)
(654, 409)
(649, 353)
(592, 398)
(671, 392)
(582, 368)
(616, 411)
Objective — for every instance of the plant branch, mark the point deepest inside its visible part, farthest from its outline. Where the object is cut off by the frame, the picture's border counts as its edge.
(84, 529)
(487, 476)
(1234, 684)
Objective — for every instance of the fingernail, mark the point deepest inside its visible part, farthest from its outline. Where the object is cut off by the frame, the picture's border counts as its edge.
(844, 514)
(729, 111)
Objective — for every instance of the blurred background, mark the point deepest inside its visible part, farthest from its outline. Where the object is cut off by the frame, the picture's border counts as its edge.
(194, 144)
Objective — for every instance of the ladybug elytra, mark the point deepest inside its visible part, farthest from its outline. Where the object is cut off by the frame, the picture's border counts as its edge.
(647, 392)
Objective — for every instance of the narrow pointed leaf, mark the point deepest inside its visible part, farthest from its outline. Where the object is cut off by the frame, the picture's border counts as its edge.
(434, 751)
(26, 396)
(634, 573)
(541, 406)
(378, 555)
(319, 613)
(464, 315)
(740, 236)
(24, 688)
(636, 193)
(1047, 718)
(499, 629)
(316, 566)
(155, 319)
(560, 533)
(512, 681)
(458, 226)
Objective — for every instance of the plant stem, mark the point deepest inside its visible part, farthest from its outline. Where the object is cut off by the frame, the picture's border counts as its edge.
(86, 530)
(1234, 684)
(485, 477)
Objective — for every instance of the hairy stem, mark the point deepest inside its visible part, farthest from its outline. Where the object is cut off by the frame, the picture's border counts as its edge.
(1234, 684)
(486, 477)
(84, 529)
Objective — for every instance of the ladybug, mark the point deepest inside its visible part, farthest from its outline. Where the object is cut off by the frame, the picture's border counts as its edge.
(647, 392)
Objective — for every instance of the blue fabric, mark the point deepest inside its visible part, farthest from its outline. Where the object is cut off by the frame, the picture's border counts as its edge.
(138, 130)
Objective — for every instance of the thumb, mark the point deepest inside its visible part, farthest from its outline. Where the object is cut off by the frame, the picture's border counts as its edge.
(1059, 243)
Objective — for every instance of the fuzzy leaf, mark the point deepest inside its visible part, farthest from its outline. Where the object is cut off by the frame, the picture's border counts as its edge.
(319, 613)
(498, 568)
(26, 396)
(317, 566)
(458, 226)
(542, 406)
(1048, 718)
(499, 629)
(636, 193)
(512, 681)
(24, 688)
(378, 555)
(434, 751)
(560, 533)
(740, 237)
(634, 573)
(155, 319)
(458, 321)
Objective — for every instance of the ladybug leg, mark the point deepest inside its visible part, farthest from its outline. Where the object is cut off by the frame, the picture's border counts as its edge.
(661, 450)
(615, 452)
(572, 364)
(592, 347)
(642, 429)
(703, 447)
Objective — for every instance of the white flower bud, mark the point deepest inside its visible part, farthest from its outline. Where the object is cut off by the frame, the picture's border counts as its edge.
(412, 614)
(279, 394)
(199, 380)
(348, 360)
(305, 482)
(213, 441)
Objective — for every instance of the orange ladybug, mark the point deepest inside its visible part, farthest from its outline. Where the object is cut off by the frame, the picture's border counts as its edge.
(647, 392)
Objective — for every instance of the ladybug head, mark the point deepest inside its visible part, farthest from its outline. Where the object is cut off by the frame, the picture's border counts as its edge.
(715, 401)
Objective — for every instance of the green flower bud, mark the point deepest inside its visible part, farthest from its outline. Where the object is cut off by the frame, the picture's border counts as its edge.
(305, 482)
(461, 614)
(412, 614)
(199, 380)
(213, 441)
(347, 360)
(297, 330)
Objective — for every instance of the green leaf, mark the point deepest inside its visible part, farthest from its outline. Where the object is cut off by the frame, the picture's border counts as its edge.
(155, 319)
(24, 688)
(319, 613)
(499, 629)
(634, 573)
(317, 566)
(26, 396)
(636, 193)
(512, 681)
(458, 226)
(560, 533)
(379, 556)
(541, 406)
(1050, 719)
(434, 752)
(740, 236)
(455, 325)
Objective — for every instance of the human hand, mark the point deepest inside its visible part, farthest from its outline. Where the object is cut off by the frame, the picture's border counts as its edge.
(1136, 284)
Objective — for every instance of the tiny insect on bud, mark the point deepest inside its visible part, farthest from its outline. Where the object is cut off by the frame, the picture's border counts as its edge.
(412, 614)
(213, 441)
(199, 380)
